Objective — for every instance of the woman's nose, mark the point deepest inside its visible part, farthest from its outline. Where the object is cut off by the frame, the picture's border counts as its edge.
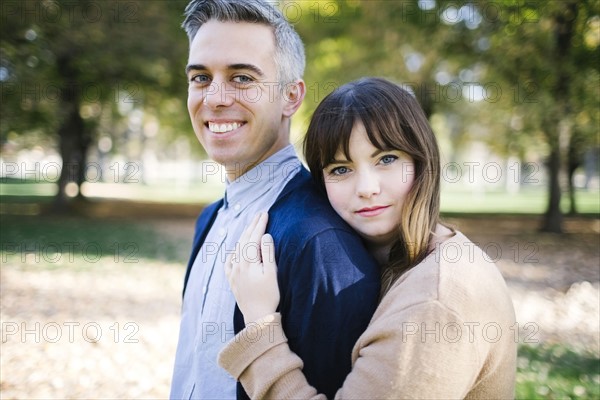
(367, 184)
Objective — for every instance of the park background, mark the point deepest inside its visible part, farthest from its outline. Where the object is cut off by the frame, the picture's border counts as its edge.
(102, 176)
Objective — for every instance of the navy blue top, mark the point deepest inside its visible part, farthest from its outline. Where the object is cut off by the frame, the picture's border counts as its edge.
(329, 283)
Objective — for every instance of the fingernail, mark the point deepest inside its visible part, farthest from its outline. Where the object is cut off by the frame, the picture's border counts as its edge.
(267, 238)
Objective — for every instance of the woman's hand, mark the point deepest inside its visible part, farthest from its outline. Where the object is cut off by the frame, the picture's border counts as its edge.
(252, 272)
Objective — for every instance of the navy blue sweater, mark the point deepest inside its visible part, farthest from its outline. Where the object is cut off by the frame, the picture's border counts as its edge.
(329, 283)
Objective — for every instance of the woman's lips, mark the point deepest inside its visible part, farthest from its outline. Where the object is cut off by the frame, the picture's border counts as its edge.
(371, 211)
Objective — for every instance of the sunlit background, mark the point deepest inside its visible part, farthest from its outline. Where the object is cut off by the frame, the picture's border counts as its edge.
(101, 176)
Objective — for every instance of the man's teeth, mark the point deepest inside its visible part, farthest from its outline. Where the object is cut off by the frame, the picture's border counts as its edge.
(222, 128)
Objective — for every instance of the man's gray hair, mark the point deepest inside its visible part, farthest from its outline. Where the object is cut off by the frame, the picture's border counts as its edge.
(289, 49)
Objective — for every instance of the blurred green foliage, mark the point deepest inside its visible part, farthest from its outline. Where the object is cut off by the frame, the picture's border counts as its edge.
(526, 201)
(520, 77)
(108, 57)
(78, 242)
(544, 371)
(553, 371)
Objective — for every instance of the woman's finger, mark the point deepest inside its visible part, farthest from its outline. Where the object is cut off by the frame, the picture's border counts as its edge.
(267, 247)
(228, 266)
(249, 229)
(242, 246)
(259, 228)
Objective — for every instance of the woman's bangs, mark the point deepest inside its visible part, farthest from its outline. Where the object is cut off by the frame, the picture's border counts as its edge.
(336, 126)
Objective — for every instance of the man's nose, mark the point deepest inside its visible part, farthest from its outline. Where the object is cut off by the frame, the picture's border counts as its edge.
(219, 94)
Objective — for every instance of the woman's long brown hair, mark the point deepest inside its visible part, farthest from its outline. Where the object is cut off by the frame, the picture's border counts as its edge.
(393, 119)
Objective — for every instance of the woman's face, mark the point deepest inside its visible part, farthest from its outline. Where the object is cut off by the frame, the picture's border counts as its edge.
(369, 190)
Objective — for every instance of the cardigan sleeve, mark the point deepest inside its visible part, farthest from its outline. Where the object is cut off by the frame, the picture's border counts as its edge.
(260, 358)
(419, 352)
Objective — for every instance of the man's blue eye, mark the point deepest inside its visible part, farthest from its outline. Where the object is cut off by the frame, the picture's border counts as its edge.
(242, 79)
(199, 78)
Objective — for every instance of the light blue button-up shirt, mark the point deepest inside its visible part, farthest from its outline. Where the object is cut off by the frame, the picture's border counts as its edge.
(208, 304)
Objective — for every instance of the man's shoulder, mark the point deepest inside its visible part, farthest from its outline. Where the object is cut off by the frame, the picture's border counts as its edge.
(303, 208)
(212, 207)
(208, 212)
(309, 234)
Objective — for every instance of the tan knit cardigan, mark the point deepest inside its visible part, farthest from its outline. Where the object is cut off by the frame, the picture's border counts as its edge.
(446, 330)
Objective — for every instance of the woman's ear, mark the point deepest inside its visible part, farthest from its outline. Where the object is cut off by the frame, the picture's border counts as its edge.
(293, 95)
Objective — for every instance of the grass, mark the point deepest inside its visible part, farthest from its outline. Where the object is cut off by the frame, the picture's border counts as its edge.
(168, 192)
(556, 372)
(453, 200)
(54, 242)
(544, 371)
(526, 201)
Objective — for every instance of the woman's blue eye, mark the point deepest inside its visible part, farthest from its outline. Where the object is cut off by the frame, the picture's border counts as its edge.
(339, 171)
(388, 159)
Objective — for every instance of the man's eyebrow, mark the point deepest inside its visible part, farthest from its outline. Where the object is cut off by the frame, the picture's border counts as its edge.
(250, 67)
(194, 67)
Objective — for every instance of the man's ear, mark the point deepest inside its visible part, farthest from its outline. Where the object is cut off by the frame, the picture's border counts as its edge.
(293, 95)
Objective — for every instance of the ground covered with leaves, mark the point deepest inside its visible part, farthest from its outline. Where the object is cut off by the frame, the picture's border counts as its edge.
(90, 307)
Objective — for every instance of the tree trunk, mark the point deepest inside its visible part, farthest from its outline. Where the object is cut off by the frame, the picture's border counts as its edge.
(564, 25)
(553, 218)
(572, 203)
(74, 139)
(85, 141)
(573, 162)
(70, 133)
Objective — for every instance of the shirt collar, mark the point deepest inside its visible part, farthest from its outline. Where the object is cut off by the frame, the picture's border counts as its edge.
(261, 179)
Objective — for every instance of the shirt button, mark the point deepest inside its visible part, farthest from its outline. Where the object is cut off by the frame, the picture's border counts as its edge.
(203, 289)
(222, 231)
(237, 207)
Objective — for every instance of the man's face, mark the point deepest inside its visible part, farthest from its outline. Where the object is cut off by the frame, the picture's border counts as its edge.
(234, 101)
